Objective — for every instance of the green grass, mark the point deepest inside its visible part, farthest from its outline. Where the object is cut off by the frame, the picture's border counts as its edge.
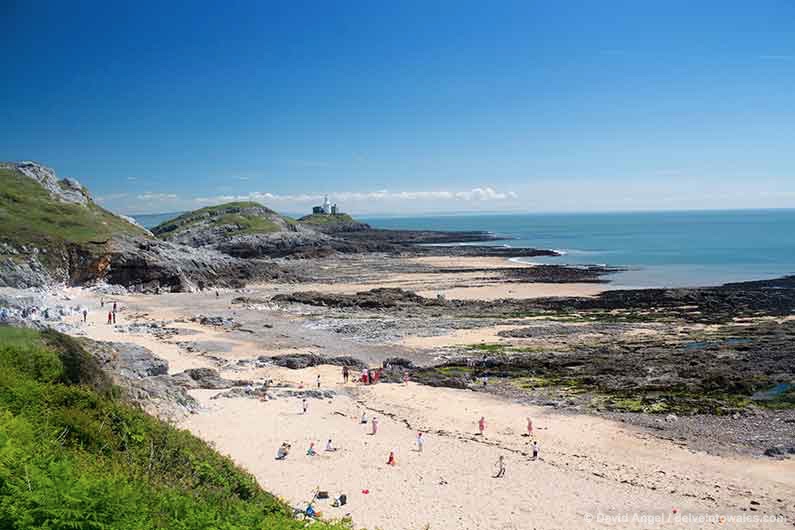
(74, 456)
(30, 216)
(323, 219)
(231, 213)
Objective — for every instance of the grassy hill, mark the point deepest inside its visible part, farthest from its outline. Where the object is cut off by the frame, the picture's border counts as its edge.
(323, 219)
(74, 455)
(31, 217)
(232, 218)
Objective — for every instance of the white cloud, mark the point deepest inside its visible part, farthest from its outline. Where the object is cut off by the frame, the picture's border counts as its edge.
(483, 194)
(149, 196)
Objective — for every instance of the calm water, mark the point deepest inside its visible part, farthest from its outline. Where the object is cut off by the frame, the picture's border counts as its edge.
(661, 248)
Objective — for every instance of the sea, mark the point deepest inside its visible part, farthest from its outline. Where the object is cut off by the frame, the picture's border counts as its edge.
(657, 249)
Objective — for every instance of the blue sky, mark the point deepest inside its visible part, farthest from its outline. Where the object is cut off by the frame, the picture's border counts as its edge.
(407, 106)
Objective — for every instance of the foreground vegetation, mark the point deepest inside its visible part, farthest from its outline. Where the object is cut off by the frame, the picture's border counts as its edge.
(73, 455)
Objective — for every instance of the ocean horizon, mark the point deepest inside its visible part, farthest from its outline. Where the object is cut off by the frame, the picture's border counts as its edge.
(683, 248)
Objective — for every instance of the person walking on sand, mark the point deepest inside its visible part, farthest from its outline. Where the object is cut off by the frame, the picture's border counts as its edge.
(345, 374)
(375, 426)
(482, 424)
(304, 405)
(391, 461)
(85, 315)
(110, 318)
(500, 467)
(318, 381)
(529, 427)
(420, 442)
(405, 378)
(535, 450)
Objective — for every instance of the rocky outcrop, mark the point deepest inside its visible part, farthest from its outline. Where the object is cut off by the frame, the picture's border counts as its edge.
(385, 297)
(151, 265)
(206, 378)
(298, 361)
(66, 190)
(143, 378)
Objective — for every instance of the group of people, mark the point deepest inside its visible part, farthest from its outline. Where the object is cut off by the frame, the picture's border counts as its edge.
(369, 376)
(372, 376)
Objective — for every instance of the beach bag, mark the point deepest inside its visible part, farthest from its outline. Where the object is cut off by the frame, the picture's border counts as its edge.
(343, 499)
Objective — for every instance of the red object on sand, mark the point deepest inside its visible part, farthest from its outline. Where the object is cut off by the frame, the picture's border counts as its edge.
(365, 491)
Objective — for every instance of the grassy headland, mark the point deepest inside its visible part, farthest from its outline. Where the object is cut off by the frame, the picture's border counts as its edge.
(240, 218)
(30, 217)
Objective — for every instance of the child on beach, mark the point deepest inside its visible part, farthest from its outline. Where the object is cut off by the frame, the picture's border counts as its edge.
(329, 447)
(283, 451)
(420, 441)
(500, 467)
(375, 426)
(311, 451)
(535, 450)
(304, 405)
(482, 424)
(391, 461)
(363, 421)
(318, 381)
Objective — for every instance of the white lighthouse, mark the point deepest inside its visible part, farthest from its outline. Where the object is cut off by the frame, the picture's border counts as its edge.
(326, 205)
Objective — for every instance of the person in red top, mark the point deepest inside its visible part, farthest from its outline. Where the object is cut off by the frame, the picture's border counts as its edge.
(482, 424)
(110, 317)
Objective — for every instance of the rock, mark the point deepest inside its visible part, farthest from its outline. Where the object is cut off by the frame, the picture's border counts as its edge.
(249, 391)
(314, 394)
(149, 265)
(297, 361)
(206, 378)
(66, 190)
(671, 418)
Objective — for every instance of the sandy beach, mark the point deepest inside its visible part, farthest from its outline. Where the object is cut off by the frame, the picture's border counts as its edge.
(590, 469)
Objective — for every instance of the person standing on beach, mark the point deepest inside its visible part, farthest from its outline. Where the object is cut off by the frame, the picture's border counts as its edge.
(305, 405)
(529, 427)
(318, 381)
(500, 467)
(345, 374)
(535, 450)
(420, 442)
(406, 377)
(110, 318)
(85, 315)
(375, 426)
(482, 424)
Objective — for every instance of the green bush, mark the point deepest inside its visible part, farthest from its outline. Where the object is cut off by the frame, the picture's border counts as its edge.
(71, 457)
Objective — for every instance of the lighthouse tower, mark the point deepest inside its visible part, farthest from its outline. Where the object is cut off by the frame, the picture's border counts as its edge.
(326, 205)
